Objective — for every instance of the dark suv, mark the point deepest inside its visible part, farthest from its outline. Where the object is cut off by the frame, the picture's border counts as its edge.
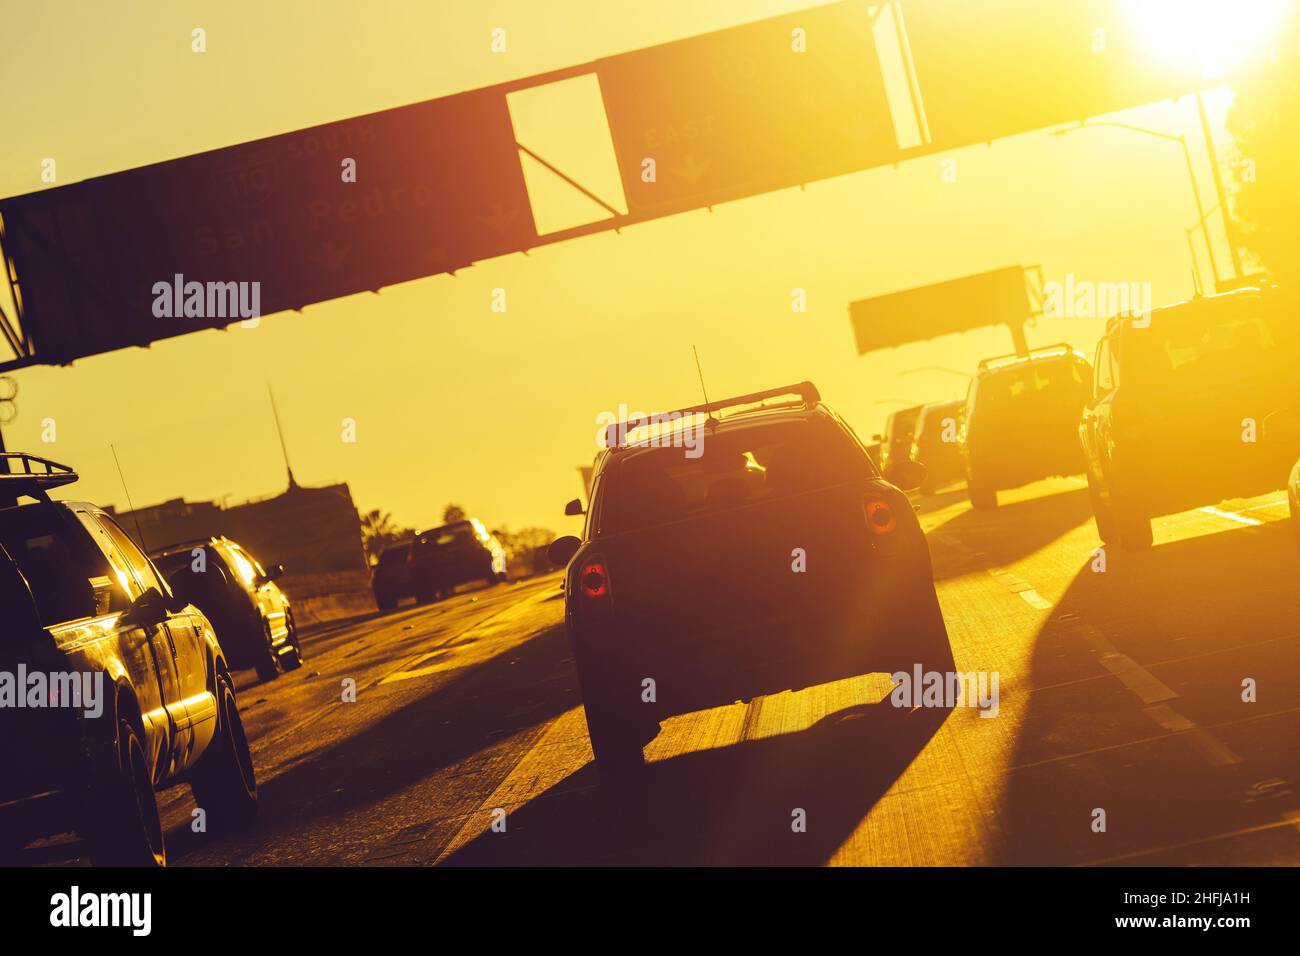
(896, 444)
(132, 692)
(391, 579)
(455, 554)
(1022, 420)
(240, 598)
(776, 559)
(1191, 405)
(934, 444)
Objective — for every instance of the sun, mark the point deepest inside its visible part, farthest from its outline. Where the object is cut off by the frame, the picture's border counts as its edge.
(1215, 36)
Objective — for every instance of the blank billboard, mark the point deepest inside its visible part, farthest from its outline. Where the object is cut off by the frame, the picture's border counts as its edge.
(437, 186)
(755, 108)
(999, 297)
(993, 68)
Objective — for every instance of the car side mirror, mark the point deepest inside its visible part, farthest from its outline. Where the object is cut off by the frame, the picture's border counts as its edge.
(574, 507)
(273, 573)
(910, 474)
(562, 550)
(148, 610)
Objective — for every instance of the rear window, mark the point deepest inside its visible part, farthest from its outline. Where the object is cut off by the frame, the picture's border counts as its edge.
(1034, 383)
(15, 602)
(450, 536)
(736, 468)
(193, 585)
(902, 423)
(394, 556)
(169, 564)
(933, 419)
(1207, 343)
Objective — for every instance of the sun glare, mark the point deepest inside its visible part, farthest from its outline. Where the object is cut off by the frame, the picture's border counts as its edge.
(1214, 35)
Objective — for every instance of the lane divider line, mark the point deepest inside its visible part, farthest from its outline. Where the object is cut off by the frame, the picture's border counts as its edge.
(1145, 685)
(1231, 516)
(1015, 585)
(1149, 689)
(1289, 820)
(1020, 588)
(1155, 695)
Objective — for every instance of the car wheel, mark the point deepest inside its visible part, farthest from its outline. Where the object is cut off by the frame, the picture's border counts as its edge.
(384, 602)
(927, 641)
(1134, 529)
(1102, 515)
(616, 737)
(616, 746)
(981, 496)
(268, 661)
(224, 782)
(126, 829)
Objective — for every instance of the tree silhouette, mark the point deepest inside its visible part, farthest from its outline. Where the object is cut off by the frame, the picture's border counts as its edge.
(453, 513)
(1262, 120)
(379, 532)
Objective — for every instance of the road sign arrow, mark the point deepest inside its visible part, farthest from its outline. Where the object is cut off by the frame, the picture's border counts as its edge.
(690, 170)
(500, 218)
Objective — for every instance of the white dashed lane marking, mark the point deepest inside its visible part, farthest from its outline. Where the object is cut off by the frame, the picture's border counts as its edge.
(1232, 516)
(1145, 686)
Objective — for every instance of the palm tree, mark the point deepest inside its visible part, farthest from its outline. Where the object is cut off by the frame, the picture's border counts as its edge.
(377, 532)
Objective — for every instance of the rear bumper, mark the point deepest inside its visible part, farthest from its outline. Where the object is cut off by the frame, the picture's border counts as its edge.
(701, 669)
(1014, 469)
(1157, 483)
(469, 567)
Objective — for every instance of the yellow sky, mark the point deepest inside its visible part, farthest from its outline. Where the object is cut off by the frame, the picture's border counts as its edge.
(456, 402)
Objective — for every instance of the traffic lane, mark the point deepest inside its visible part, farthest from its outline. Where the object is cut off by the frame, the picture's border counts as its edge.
(721, 786)
(354, 650)
(331, 774)
(281, 716)
(1071, 738)
(833, 773)
(1166, 629)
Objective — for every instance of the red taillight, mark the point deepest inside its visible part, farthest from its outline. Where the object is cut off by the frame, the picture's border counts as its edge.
(880, 516)
(594, 580)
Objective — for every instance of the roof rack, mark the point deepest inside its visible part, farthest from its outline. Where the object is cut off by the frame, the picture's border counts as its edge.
(1062, 348)
(807, 391)
(33, 477)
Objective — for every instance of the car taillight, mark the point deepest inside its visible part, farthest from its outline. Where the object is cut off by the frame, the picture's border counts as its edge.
(593, 579)
(880, 516)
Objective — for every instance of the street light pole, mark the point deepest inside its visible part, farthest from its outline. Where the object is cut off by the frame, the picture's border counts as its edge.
(1229, 227)
(1200, 211)
(1191, 175)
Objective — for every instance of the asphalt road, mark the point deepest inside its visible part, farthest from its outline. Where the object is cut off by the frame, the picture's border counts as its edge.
(1120, 690)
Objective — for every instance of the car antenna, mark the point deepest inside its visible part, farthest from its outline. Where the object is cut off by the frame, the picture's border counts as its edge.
(704, 391)
(134, 517)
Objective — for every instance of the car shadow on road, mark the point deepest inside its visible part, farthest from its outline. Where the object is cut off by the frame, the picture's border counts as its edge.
(736, 805)
(979, 540)
(1197, 615)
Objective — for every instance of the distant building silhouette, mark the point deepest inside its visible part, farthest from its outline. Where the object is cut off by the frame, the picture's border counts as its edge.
(308, 530)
